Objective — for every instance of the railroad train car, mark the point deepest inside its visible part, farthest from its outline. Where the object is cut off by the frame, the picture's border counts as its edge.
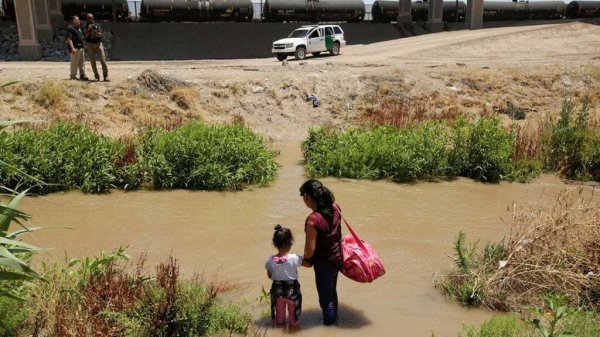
(504, 11)
(387, 10)
(546, 10)
(196, 10)
(583, 9)
(313, 11)
(102, 9)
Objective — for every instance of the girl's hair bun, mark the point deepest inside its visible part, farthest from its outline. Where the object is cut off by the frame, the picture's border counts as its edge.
(278, 227)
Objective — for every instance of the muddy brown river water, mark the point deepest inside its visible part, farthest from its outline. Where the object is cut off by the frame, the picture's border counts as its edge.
(227, 234)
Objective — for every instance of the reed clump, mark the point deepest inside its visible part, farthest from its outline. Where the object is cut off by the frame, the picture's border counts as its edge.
(548, 250)
(103, 296)
(480, 150)
(201, 156)
(194, 156)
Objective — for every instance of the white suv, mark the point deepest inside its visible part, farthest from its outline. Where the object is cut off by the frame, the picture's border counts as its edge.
(310, 39)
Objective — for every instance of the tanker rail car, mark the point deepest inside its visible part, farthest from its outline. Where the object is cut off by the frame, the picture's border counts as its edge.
(102, 9)
(387, 10)
(583, 9)
(196, 10)
(313, 10)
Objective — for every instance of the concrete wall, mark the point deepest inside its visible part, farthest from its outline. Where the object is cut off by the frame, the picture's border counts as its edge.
(187, 41)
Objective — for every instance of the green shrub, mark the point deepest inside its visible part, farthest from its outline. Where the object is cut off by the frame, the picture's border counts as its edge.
(592, 159)
(206, 157)
(583, 323)
(579, 323)
(12, 316)
(497, 326)
(524, 170)
(401, 154)
(64, 156)
(197, 156)
(465, 284)
(482, 150)
(567, 140)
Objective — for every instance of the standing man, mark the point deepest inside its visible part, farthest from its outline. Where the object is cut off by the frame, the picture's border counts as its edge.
(93, 38)
(75, 44)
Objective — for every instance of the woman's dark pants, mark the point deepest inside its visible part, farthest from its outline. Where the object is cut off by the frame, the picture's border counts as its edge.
(326, 279)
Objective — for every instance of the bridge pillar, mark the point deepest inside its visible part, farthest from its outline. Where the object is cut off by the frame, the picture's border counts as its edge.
(56, 18)
(29, 48)
(404, 16)
(435, 15)
(42, 20)
(474, 18)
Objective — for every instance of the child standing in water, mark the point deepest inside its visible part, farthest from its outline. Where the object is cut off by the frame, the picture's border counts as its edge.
(283, 270)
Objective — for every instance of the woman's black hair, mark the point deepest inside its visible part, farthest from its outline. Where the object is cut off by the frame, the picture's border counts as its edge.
(282, 238)
(321, 195)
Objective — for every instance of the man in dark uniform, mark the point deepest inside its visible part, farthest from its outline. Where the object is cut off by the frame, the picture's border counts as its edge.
(93, 46)
(75, 44)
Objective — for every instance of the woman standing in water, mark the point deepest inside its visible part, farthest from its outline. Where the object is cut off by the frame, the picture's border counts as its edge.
(323, 247)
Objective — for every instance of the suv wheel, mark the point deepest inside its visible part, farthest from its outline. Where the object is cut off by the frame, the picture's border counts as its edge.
(281, 57)
(300, 53)
(336, 49)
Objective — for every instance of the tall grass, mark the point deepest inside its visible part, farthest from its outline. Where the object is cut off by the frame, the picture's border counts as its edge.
(64, 156)
(403, 143)
(103, 297)
(480, 150)
(383, 152)
(200, 156)
(548, 250)
(196, 156)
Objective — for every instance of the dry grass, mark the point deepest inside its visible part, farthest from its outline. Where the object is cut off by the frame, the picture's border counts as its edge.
(549, 249)
(528, 140)
(154, 81)
(401, 112)
(185, 97)
(49, 95)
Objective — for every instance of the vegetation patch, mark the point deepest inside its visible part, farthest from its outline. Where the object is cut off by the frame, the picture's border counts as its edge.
(553, 319)
(481, 150)
(102, 296)
(196, 156)
(49, 95)
(402, 142)
(201, 156)
(64, 156)
(549, 250)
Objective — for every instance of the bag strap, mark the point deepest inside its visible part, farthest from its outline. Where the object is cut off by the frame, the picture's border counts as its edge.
(360, 244)
(356, 238)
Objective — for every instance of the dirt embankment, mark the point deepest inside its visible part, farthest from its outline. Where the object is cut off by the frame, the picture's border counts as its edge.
(491, 71)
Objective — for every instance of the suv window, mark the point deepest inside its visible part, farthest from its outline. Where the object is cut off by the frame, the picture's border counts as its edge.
(299, 33)
(314, 34)
(337, 30)
(328, 31)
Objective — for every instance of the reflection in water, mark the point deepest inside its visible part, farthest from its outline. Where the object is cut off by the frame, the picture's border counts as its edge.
(228, 234)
